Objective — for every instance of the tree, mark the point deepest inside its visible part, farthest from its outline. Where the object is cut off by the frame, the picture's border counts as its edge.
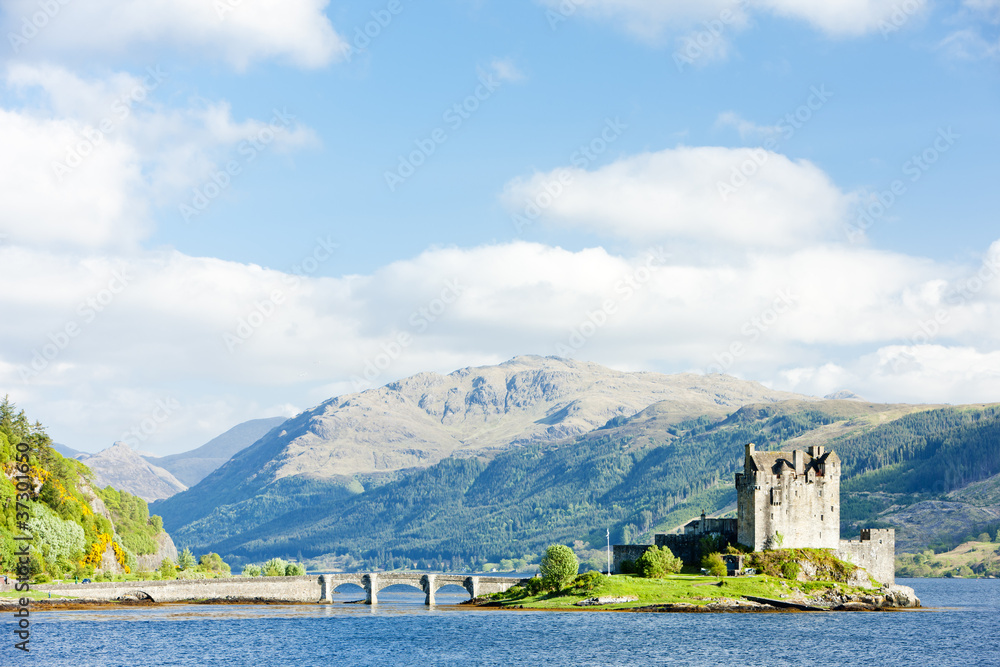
(714, 564)
(295, 570)
(558, 566)
(186, 559)
(212, 563)
(167, 569)
(658, 562)
(251, 570)
(275, 568)
(997, 538)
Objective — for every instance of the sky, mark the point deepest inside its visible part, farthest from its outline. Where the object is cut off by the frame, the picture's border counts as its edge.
(220, 210)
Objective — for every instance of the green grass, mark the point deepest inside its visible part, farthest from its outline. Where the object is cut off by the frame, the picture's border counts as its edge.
(31, 595)
(682, 588)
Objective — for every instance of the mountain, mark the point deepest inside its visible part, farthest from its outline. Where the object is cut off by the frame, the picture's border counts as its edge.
(69, 452)
(370, 437)
(558, 452)
(193, 466)
(121, 467)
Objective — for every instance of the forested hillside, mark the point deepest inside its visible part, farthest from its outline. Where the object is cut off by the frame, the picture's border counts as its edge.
(76, 527)
(635, 476)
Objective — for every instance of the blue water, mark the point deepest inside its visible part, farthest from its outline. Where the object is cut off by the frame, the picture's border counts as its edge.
(961, 630)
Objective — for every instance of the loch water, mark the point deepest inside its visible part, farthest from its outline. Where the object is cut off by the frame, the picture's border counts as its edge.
(961, 628)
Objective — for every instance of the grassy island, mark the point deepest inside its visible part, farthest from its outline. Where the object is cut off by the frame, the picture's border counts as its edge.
(679, 589)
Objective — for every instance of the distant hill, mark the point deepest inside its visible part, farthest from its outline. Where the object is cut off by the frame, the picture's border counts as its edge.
(363, 439)
(121, 467)
(193, 466)
(69, 452)
(503, 485)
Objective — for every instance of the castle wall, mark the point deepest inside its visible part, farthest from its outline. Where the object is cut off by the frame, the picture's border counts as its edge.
(875, 551)
(687, 546)
(624, 552)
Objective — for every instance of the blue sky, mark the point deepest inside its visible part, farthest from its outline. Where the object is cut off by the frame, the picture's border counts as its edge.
(765, 274)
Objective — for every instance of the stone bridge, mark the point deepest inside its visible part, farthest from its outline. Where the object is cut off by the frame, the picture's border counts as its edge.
(308, 588)
(428, 583)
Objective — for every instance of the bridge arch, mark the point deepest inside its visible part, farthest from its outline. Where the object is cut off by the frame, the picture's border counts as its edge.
(135, 594)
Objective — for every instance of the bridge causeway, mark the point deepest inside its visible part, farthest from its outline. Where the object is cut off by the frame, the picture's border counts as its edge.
(374, 582)
(308, 588)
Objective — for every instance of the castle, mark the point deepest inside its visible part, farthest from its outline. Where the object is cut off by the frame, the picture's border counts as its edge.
(787, 500)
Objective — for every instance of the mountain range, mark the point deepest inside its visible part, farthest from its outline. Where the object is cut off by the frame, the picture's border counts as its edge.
(497, 461)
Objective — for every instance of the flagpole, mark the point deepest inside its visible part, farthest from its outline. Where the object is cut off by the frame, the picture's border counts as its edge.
(609, 552)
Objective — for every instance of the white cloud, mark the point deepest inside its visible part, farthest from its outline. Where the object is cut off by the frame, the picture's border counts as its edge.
(506, 70)
(84, 165)
(717, 19)
(747, 129)
(799, 317)
(728, 196)
(238, 31)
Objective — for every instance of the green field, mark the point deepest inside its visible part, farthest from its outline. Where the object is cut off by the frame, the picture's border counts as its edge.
(697, 590)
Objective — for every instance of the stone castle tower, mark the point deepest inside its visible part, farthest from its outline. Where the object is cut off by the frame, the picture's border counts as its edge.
(789, 499)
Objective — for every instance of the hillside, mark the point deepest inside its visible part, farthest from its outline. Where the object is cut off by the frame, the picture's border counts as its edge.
(645, 475)
(76, 526)
(193, 466)
(362, 440)
(121, 467)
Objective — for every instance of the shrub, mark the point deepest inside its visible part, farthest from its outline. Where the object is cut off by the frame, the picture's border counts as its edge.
(587, 582)
(295, 570)
(790, 569)
(167, 569)
(558, 566)
(43, 578)
(534, 586)
(658, 562)
(251, 570)
(714, 564)
(212, 563)
(275, 567)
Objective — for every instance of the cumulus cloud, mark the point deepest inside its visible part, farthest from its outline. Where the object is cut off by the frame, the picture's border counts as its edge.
(83, 165)
(237, 31)
(208, 332)
(739, 196)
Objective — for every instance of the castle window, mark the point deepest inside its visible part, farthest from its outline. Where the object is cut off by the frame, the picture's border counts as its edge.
(820, 517)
